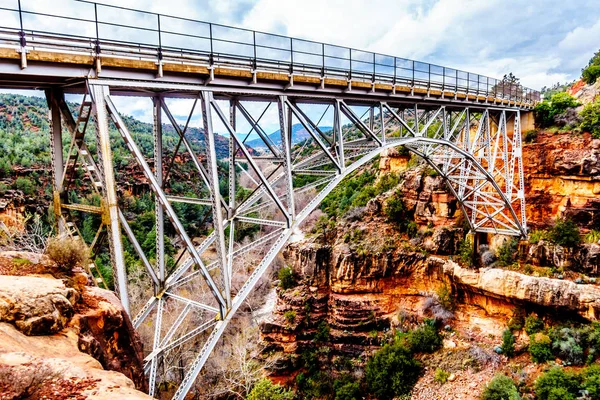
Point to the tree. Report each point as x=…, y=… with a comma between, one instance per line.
x=267, y=390
x=510, y=78
x=509, y=86
x=546, y=111
x=287, y=278
x=565, y=233
x=591, y=118
x=392, y=371
x=556, y=383
x=508, y=343
x=500, y=387
x=507, y=253
x=591, y=72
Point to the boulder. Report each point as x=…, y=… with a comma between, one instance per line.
x=36, y=305
x=51, y=367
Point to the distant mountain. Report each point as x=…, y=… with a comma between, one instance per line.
x=298, y=134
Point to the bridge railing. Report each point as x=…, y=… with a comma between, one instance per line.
x=103, y=29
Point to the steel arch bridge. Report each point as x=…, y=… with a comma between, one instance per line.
x=467, y=129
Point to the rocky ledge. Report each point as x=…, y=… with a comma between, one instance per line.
x=512, y=286
x=60, y=338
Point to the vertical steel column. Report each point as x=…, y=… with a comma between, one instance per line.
x=382, y=122
x=232, y=186
x=57, y=155
x=287, y=161
x=213, y=174
x=337, y=126
x=158, y=172
x=110, y=193
x=416, y=126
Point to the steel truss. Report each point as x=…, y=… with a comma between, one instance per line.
x=476, y=150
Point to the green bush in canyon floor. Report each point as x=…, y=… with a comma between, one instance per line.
x=267, y=390
x=508, y=343
x=391, y=372
x=557, y=384
x=501, y=387
x=540, y=348
x=424, y=339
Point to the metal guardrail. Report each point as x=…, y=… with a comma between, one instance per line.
x=106, y=30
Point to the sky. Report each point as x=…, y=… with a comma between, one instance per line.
x=540, y=41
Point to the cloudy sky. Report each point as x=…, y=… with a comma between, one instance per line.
x=541, y=41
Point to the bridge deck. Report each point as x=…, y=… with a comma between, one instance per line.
x=38, y=52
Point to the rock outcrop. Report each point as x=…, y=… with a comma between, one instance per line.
x=555, y=294
x=60, y=338
x=36, y=305
x=562, y=179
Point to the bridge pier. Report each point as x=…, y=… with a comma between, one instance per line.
x=527, y=121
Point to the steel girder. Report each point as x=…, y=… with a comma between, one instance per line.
x=476, y=151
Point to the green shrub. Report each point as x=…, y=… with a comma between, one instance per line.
x=322, y=334
x=387, y=182
x=536, y=235
x=592, y=71
x=445, y=298
x=592, y=236
x=530, y=136
x=533, y=324
x=395, y=210
x=465, y=252
x=290, y=316
x=540, y=348
x=568, y=343
x=287, y=278
x=500, y=387
x=554, y=383
x=424, y=339
x=347, y=391
x=267, y=390
x=545, y=111
x=517, y=320
x=507, y=253
x=591, y=118
x=542, y=113
x=508, y=343
x=316, y=386
x=441, y=376
x=25, y=185
x=591, y=381
x=412, y=229
x=561, y=101
x=561, y=393
x=392, y=371
x=354, y=191
x=565, y=233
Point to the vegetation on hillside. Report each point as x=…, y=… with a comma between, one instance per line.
x=591, y=72
x=561, y=111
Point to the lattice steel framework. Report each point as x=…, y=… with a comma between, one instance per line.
x=476, y=149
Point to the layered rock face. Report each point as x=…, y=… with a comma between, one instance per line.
x=562, y=179
x=60, y=338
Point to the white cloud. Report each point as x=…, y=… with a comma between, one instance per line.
x=579, y=45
